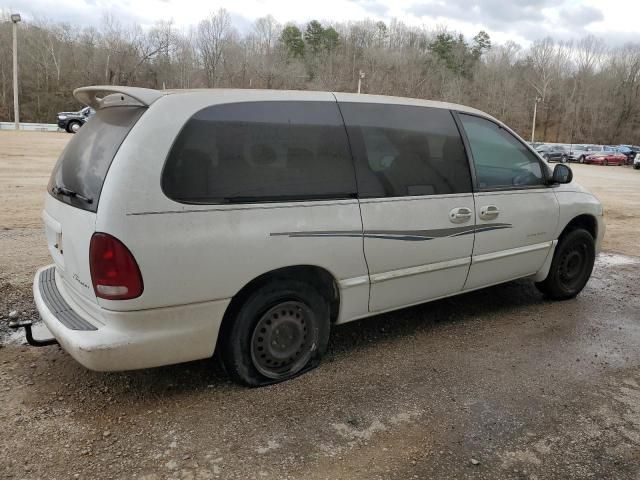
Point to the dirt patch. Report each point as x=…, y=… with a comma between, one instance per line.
x=525, y=387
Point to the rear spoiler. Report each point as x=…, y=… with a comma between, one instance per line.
x=103, y=96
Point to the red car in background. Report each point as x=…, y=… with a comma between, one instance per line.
x=606, y=158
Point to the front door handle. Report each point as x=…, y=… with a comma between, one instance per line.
x=460, y=215
x=489, y=212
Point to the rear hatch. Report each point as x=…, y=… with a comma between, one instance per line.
x=74, y=191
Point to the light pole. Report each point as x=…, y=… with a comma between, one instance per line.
x=15, y=18
x=360, y=77
x=535, y=111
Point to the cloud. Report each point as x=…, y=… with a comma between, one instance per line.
x=372, y=6
x=581, y=15
x=520, y=20
x=527, y=19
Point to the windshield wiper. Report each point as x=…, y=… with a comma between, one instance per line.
x=70, y=193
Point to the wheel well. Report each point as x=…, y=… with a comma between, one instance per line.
x=314, y=275
x=588, y=222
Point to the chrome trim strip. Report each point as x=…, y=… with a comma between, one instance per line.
x=411, y=271
x=486, y=257
x=353, y=282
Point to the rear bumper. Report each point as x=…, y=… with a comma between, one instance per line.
x=107, y=340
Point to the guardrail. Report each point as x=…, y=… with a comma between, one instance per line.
x=31, y=127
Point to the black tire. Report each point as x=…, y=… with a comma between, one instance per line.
x=73, y=126
x=280, y=331
x=581, y=159
x=606, y=163
x=636, y=166
x=571, y=266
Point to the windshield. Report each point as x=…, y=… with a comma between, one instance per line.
x=80, y=171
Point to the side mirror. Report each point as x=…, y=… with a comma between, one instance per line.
x=562, y=174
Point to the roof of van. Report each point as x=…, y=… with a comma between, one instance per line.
x=102, y=96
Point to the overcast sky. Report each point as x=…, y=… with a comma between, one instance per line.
x=617, y=21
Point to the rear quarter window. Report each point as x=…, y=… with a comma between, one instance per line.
x=260, y=152
x=85, y=161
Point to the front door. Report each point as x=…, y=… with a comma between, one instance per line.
x=516, y=212
x=415, y=198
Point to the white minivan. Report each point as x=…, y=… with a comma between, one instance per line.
x=247, y=221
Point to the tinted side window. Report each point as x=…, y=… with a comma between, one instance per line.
x=500, y=159
x=261, y=151
x=403, y=150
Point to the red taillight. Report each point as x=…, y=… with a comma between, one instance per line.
x=114, y=271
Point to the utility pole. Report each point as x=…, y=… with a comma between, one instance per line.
x=535, y=111
x=15, y=18
x=360, y=77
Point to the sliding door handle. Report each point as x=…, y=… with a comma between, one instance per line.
x=489, y=212
x=460, y=215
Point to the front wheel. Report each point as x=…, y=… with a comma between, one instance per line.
x=563, y=159
x=73, y=127
x=571, y=266
x=280, y=331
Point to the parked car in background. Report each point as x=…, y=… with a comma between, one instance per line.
x=636, y=162
x=553, y=153
x=600, y=148
x=72, y=121
x=629, y=151
x=577, y=153
x=606, y=158
x=154, y=209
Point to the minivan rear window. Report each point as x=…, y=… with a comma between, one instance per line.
x=261, y=152
x=79, y=174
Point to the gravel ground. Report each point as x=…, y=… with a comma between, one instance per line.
x=497, y=383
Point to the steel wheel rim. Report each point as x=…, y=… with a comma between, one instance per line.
x=283, y=340
x=573, y=264
x=75, y=127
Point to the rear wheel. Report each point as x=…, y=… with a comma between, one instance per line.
x=605, y=163
x=571, y=266
x=563, y=159
x=280, y=331
x=581, y=160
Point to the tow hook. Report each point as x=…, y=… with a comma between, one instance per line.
x=27, y=324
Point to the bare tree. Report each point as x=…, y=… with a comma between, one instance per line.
x=213, y=40
x=591, y=92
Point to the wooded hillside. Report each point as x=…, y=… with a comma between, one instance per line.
x=589, y=92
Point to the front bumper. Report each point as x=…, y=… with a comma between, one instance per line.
x=107, y=340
